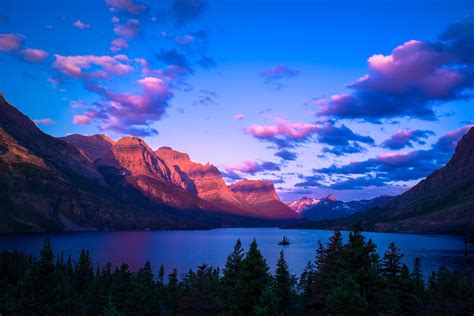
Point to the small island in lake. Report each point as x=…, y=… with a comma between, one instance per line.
x=284, y=242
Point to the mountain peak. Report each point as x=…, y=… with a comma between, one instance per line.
x=94, y=146
x=261, y=196
x=330, y=197
x=173, y=156
x=303, y=204
x=255, y=189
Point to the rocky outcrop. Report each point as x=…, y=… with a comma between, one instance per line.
x=204, y=181
x=47, y=184
x=261, y=197
x=93, y=146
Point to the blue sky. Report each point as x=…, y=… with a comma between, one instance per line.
x=237, y=82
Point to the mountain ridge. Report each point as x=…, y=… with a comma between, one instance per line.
x=48, y=184
x=443, y=202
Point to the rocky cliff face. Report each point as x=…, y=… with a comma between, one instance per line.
x=261, y=197
x=458, y=171
x=48, y=184
x=205, y=181
x=93, y=146
x=92, y=182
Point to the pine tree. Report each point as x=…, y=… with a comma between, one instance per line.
x=344, y=298
x=172, y=293
x=41, y=290
x=391, y=270
x=84, y=273
x=200, y=292
x=282, y=286
x=110, y=309
x=120, y=289
x=231, y=281
x=255, y=278
x=391, y=266
x=143, y=294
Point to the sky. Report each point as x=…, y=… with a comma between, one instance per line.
x=354, y=98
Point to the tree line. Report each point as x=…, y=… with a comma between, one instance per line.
x=344, y=279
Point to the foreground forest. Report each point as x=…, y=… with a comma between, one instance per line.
x=344, y=279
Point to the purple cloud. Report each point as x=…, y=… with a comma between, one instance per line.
x=411, y=80
x=407, y=138
x=129, y=30
x=10, y=43
x=129, y=113
x=252, y=167
x=386, y=169
x=274, y=75
x=284, y=134
x=81, y=25
x=34, y=55
x=45, y=121
x=128, y=6
x=286, y=155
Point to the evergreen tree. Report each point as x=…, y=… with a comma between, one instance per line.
x=254, y=279
x=84, y=272
x=344, y=298
x=120, y=290
x=283, y=286
x=143, y=294
x=391, y=266
x=110, y=309
x=172, y=294
x=41, y=290
x=200, y=292
x=232, y=285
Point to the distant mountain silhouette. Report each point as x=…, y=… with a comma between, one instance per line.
x=331, y=208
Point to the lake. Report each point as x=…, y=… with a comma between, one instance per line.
x=185, y=250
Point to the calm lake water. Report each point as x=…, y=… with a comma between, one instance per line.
x=185, y=250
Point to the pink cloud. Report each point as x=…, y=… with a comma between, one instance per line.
x=409, y=82
x=171, y=72
x=127, y=5
x=76, y=66
x=34, y=55
x=81, y=119
x=128, y=30
x=246, y=166
x=10, y=42
x=118, y=44
x=45, y=121
x=283, y=128
x=154, y=85
x=185, y=39
x=239, y=116
x=115, y=19
x=130, y=113
x=251, y=167
x=81, y=25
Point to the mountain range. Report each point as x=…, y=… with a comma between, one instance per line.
x=93, y=182
x=330, y=208
x=441, y=203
